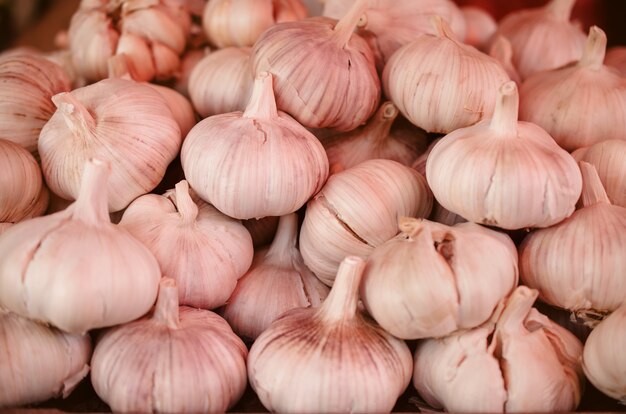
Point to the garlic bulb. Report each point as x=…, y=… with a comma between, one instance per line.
x=436, y=95
x=241, y=22
x=570, y=103
x=38, y=362
x=222, y=82
x=616, y=57
x=504, y=173
x=305, y=88
x=257, y=163
x=125, y=122
x=603, y=357
x=432, y=266
x=357, y=210
x=609, y=159
x=176, y=359
x=28, y=83
x=331, y=359
x=480, y=26
x=543, y=38
x=277, y=282
x=502, y=51
x=520, y=361
x=374, y=140
x=577, y=264
x=49, y=272
x=262, y=230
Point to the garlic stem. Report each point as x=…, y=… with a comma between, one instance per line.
x=595, y=49
x=507, y=108
x=166, y=308
x=345, y=27
x=78, y=118
x=442, y=28
x=516, y=309
x=118, y=67
x=92, y=205
x=187, y=209
x=262, y=104
x=593, y=190
x=381, y=124
x=410, y=226
x=561, y=9
x=341, y=303
x=280, y=251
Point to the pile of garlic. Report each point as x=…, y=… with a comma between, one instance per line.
x=299, y=196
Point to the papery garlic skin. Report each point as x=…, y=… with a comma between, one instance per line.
x=436, y=95
x=406, y=278
x=480, y=26
x=28, y=83
x=331, y=359
x=176, y=359
x=616, y=57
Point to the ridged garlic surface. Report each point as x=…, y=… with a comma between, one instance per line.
x=49, y=272
x=127, y=123
x=580, y=104
x=277, y=282
x=479, y=26
x=203, y=250
x=504, y=173
x=357, y=210
x=256, y=163
x=579, y=263
x=432, y=279
x=299, y=55
x=520, y=361
x=330, y=359
x=28, y=83
x=616, y=57
x=38, y=362
x=441, y=84
x=174, y=360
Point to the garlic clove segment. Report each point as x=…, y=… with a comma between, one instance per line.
x=257, y=163
x=277, y=282
x=330, y=359
x=205, y=251
x=175, y=359
x=48, y=271
x=504, y=173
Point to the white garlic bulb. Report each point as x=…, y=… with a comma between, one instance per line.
x=436, y=95
x=176, y=359
x=277, y=282
x=616, y=57
x=122, y=121
x=205, y=251
x=49, y=272
x=520, y=361
x=430, y=266
x=331, y=359
x=578, y=264
x=357, y=210
x=570, y=103
x=257, y=163
x=504, y=173
x=479, y=26
x=28, y=83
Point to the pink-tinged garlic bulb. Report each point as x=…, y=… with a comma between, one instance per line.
x=277, y=282
x=578, y=264
x=609, y=159
x=331, y=359
x=262, y=230
x=504, y=173
x=241, y=22
x=256, y=163
x=299, y=55
x=435, y=94
x=520, y=361
x=431, y=266
x=502, y=51
x=357, y=210
x=543, y=38
x=571, y=103
x=127, y=123
x=616, y=57
x=375, y=140
x=479, y=26
x=388, y=25
x=75, y=269
x=205, y=251
x=222, y=82
x=152, y=33
x=28, y=82
x=38, y=362
x=177, y=359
